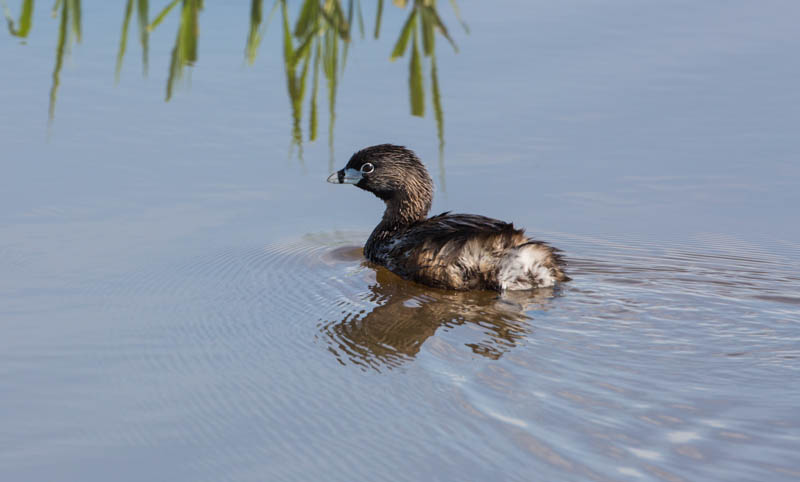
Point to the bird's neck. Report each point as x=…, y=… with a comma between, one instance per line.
x=401, y=212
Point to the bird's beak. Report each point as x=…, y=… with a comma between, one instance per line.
x=345, y=176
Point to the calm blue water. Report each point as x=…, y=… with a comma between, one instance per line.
x=182, y=297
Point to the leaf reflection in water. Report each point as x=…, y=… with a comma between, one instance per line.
x=404, y=315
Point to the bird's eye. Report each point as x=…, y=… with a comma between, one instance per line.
x=367, y=168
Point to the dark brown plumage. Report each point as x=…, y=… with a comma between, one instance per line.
x=451, y=251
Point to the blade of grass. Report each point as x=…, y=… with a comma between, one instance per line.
x=289, y=65
x=143, y=10
x=75, y=14
x=185, y=51
x=302, y=51
x=378, y=16
x=60, y=48
x=330, y=63
x=402, y=41
x=123, y=41
x=253, y=39
x=313, y=120
x=306, y=19
x=416, y=90
x=347, y=44
x=437, y=103
x=458, y=15
x=360, y=19
x=160, y=17
x=25, y=19
x=428, y=37
x=438, y=21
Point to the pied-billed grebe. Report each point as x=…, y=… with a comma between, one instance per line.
x=451, y=251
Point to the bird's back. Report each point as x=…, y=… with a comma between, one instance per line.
x=467, y=251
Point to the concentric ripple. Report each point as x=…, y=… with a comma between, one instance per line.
x=664, y=360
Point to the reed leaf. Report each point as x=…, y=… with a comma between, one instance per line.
x=253, y=37
x=303, y=50
x=402, y=41
x=185, y=51
x=457, y=11
x=143, y=11
x=290, y=64
x=336, y=19
x=347, y=44
x=438, y=21
x=416, y=90
x=378, y=17
x=313, y=119
x=330, y=60
x=288, y=48
x=60, y=48
x=75, y=15
x=25, y=19
x=437, y=103
x=160, y=17
x=428, y=37
x=123, y=41
x=360, y=19
x=308, y=14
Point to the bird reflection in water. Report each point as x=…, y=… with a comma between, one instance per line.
x=392, y=321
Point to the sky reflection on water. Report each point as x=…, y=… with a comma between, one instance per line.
x=174, y=298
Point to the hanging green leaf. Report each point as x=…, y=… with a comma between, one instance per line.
x=123, y=41
x=313, y=121
x=438, y=21
x=437, y=102
x=160, y=17
x=416, y=90
x=402, y=42
x=60, y=48
x=144, y=34
x=458, y=15
x=307, y=17
x=378, y=16
x=427, y=31
x=75, y=15
x=25, y=19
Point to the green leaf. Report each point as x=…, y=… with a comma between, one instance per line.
x=402, y=42
x=123, y=41
x=307, y=18
x=427, y=32
x=160, y=17
x=458, y=15
x=144, y=34
x=75, y=14
x=360, y=19
x=437, y=103
x=253, y=36
x=442, y=28
x=25, y=19
x=60, y=48
x=56, y=6
x=378, y=16
x=288, y=48
x=303, y=50
x=313, y=119
x=416, y=90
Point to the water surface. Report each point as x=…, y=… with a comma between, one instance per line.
x=183, y=298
